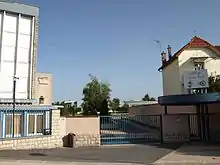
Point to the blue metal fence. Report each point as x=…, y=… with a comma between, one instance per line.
x=130, y=129
x=24, y=121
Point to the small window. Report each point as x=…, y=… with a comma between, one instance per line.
x=199, y=65
x=35, y=124
x=9, y=125
x=41, y=100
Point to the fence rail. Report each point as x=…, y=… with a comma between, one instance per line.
x=121, y=129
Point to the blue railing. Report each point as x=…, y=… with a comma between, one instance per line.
x=126, y=129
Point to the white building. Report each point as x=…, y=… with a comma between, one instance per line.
x=195, y=55
x=18, y=42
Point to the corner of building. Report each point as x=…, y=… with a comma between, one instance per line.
x=43, y=88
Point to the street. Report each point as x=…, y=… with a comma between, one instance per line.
x=136, y=154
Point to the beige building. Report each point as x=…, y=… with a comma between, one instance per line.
x=44, y=88
x=197, y=54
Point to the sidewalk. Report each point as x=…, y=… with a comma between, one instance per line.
x=32, y=162
x=193, y=154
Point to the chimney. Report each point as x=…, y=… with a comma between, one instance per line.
x=169, y=50
x=163, y=57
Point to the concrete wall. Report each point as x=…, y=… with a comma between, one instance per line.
x=49, y=141
x=212, y=61
x=175, y=128
x=86, y=129
x=44, y=87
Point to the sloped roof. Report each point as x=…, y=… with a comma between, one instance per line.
x=195, y=42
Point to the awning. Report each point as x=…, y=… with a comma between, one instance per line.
x=26, y=108
x=189, y=99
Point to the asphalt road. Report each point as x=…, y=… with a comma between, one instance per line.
x=144, y=154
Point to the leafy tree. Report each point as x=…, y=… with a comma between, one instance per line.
x=68, y=109
x=114, y=104
x=96, y=95
x=148, y=98
x=104, y=109
x=214, y=84
x=124, y=108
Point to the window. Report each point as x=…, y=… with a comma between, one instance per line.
x=35, y=124
x=9, y=125
x=41, y=100
x=26, y=123
x=199, y=65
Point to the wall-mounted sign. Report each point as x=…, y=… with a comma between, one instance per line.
x=196, y=79
x=43, y=80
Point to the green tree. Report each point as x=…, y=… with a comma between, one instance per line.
x=148, y=98
x=114, y=104
x=68, y=109
x=96, y=95
x=124, y=108
x=214, y=84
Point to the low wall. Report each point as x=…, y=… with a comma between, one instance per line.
x=45, y=141
x=86, y=130
x=175, y=128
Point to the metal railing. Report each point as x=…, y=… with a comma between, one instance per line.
x=123, y=129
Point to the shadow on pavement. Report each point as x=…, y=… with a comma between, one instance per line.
x=144, y=154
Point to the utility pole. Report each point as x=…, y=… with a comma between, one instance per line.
x=14, y=103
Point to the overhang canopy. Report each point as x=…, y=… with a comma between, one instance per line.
x=189, y=99
x=26, y=108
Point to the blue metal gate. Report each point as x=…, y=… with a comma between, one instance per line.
x=130, y=129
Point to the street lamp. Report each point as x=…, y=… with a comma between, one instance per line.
x=14, y=102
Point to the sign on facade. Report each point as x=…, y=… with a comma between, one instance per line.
x=196, y=79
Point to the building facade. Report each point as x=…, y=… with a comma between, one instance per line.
x=195, y=55
x=23, y=121
x=18, y=48
x=43, y=88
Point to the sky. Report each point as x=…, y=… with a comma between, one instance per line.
x=114, y=41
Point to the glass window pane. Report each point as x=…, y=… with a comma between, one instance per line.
x=31, y=122
x=18, y=124
x=40, y=123
x=8, y=124
x=41, y=100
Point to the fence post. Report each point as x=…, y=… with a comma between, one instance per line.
x=189, y=128
x=161, y=128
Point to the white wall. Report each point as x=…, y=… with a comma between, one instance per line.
x=172, y=74
x=16, y=37
x=211, y=62
x=171, y=81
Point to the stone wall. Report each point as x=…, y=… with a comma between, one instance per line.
x=34, y=58
x=87, y=140
x=49, y=141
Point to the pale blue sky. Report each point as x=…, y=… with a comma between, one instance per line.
x=113, y=40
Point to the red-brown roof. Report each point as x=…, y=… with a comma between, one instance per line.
x=195, y=42
x=217, y=47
